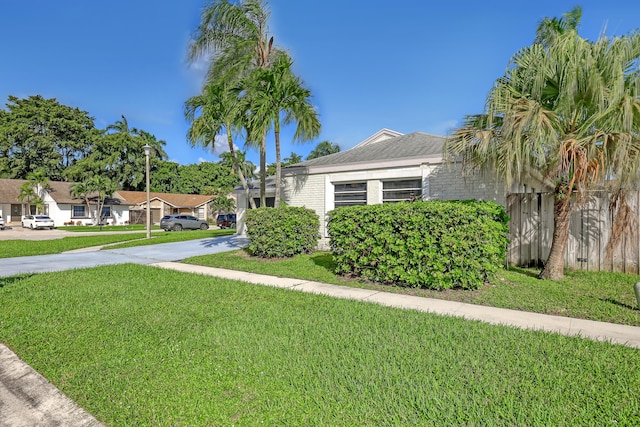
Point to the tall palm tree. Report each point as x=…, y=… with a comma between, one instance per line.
x=566, y=112
x=276, y=97
x=212, y=112
x=235, y=36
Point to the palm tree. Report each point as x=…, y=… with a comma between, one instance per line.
x=30, y=190
x=276, y=91
x=104, y=188
x=567, y=113
x=236, y=35
x=217, y=109
x=323, y=149
x=81, y=191
x=292, y=159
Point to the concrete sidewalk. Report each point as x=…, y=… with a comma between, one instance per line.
x=27, y=398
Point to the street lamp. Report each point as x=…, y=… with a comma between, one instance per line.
x=147, y=152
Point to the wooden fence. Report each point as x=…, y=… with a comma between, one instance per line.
x=531, y=232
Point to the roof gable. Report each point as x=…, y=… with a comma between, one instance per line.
x=381, y=135
x=175, y=200
x=415, y=148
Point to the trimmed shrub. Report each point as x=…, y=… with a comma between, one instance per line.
x=282, y=232
x=425, y=244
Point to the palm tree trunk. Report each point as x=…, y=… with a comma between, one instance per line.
x=276, y=131
x=263, y=170
x=238, y=169
x=554, y=267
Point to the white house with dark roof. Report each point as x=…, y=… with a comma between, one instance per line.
x=387, y=167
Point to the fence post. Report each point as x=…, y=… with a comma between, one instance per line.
x=636, y=288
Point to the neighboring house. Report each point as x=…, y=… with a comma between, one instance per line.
x=386, y=167
x=11, y=207
x=66, y=209
x=58, y=203
x=162, y=204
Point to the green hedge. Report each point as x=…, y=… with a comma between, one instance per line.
x=426, y=244
x=282, y=232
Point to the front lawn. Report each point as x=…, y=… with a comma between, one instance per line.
x=15, y=248
x=153, y=347
x=106, y=228
x=602, y=296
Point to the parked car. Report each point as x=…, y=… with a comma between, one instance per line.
x=226, y=221
x=1, y=223
x=182, y=222
x=37, y=221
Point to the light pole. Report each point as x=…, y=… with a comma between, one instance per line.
x=147, y=152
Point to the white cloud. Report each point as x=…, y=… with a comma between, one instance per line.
x=220, y=145
x=202, y=160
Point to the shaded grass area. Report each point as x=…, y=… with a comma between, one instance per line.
x=154, y=347
x=601, y=296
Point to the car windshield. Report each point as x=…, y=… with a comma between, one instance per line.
x=42, y=217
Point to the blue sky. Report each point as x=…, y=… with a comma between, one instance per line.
x=406, y=65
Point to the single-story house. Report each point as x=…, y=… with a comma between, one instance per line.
x=386, y=167
x=162, y=204
x=123, y=207
x=58, y=203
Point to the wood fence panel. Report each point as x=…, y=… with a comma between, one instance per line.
x=531, y=233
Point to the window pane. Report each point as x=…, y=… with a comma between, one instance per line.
x=408, y=183
x=78, y=211
x=350, y=194
x=398, y=191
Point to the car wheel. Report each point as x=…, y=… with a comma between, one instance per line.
x=177, y=227
x=204, y=226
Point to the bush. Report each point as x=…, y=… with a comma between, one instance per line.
x=426, y=244
x=282, y=232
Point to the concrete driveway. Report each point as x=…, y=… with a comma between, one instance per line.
x=138, y=255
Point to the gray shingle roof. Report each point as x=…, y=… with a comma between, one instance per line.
x=413, y=145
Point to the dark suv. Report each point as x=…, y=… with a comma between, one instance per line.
x=182, y=222
x=226, y=221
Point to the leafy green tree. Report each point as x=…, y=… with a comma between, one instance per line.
x=211, y=113
x=324, y=148
x=567, y=113
x=118, y=154
x=163, y=175
x=236, y=35
x=276, y=97
x=38, y=133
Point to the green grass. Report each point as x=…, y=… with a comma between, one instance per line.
x=16, y=248
x=94, y=228
x=175, y=236
x=152, y=347
x=602, y=296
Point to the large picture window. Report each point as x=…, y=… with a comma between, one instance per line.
x=351, y=194
x=401, y=191
x=79, y=211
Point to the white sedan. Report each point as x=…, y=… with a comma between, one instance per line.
x=37, y=221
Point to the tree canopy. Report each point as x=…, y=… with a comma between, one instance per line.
x=42, y=134
x=567, y=113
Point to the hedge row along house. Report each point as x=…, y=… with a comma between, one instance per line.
x=389, y=167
